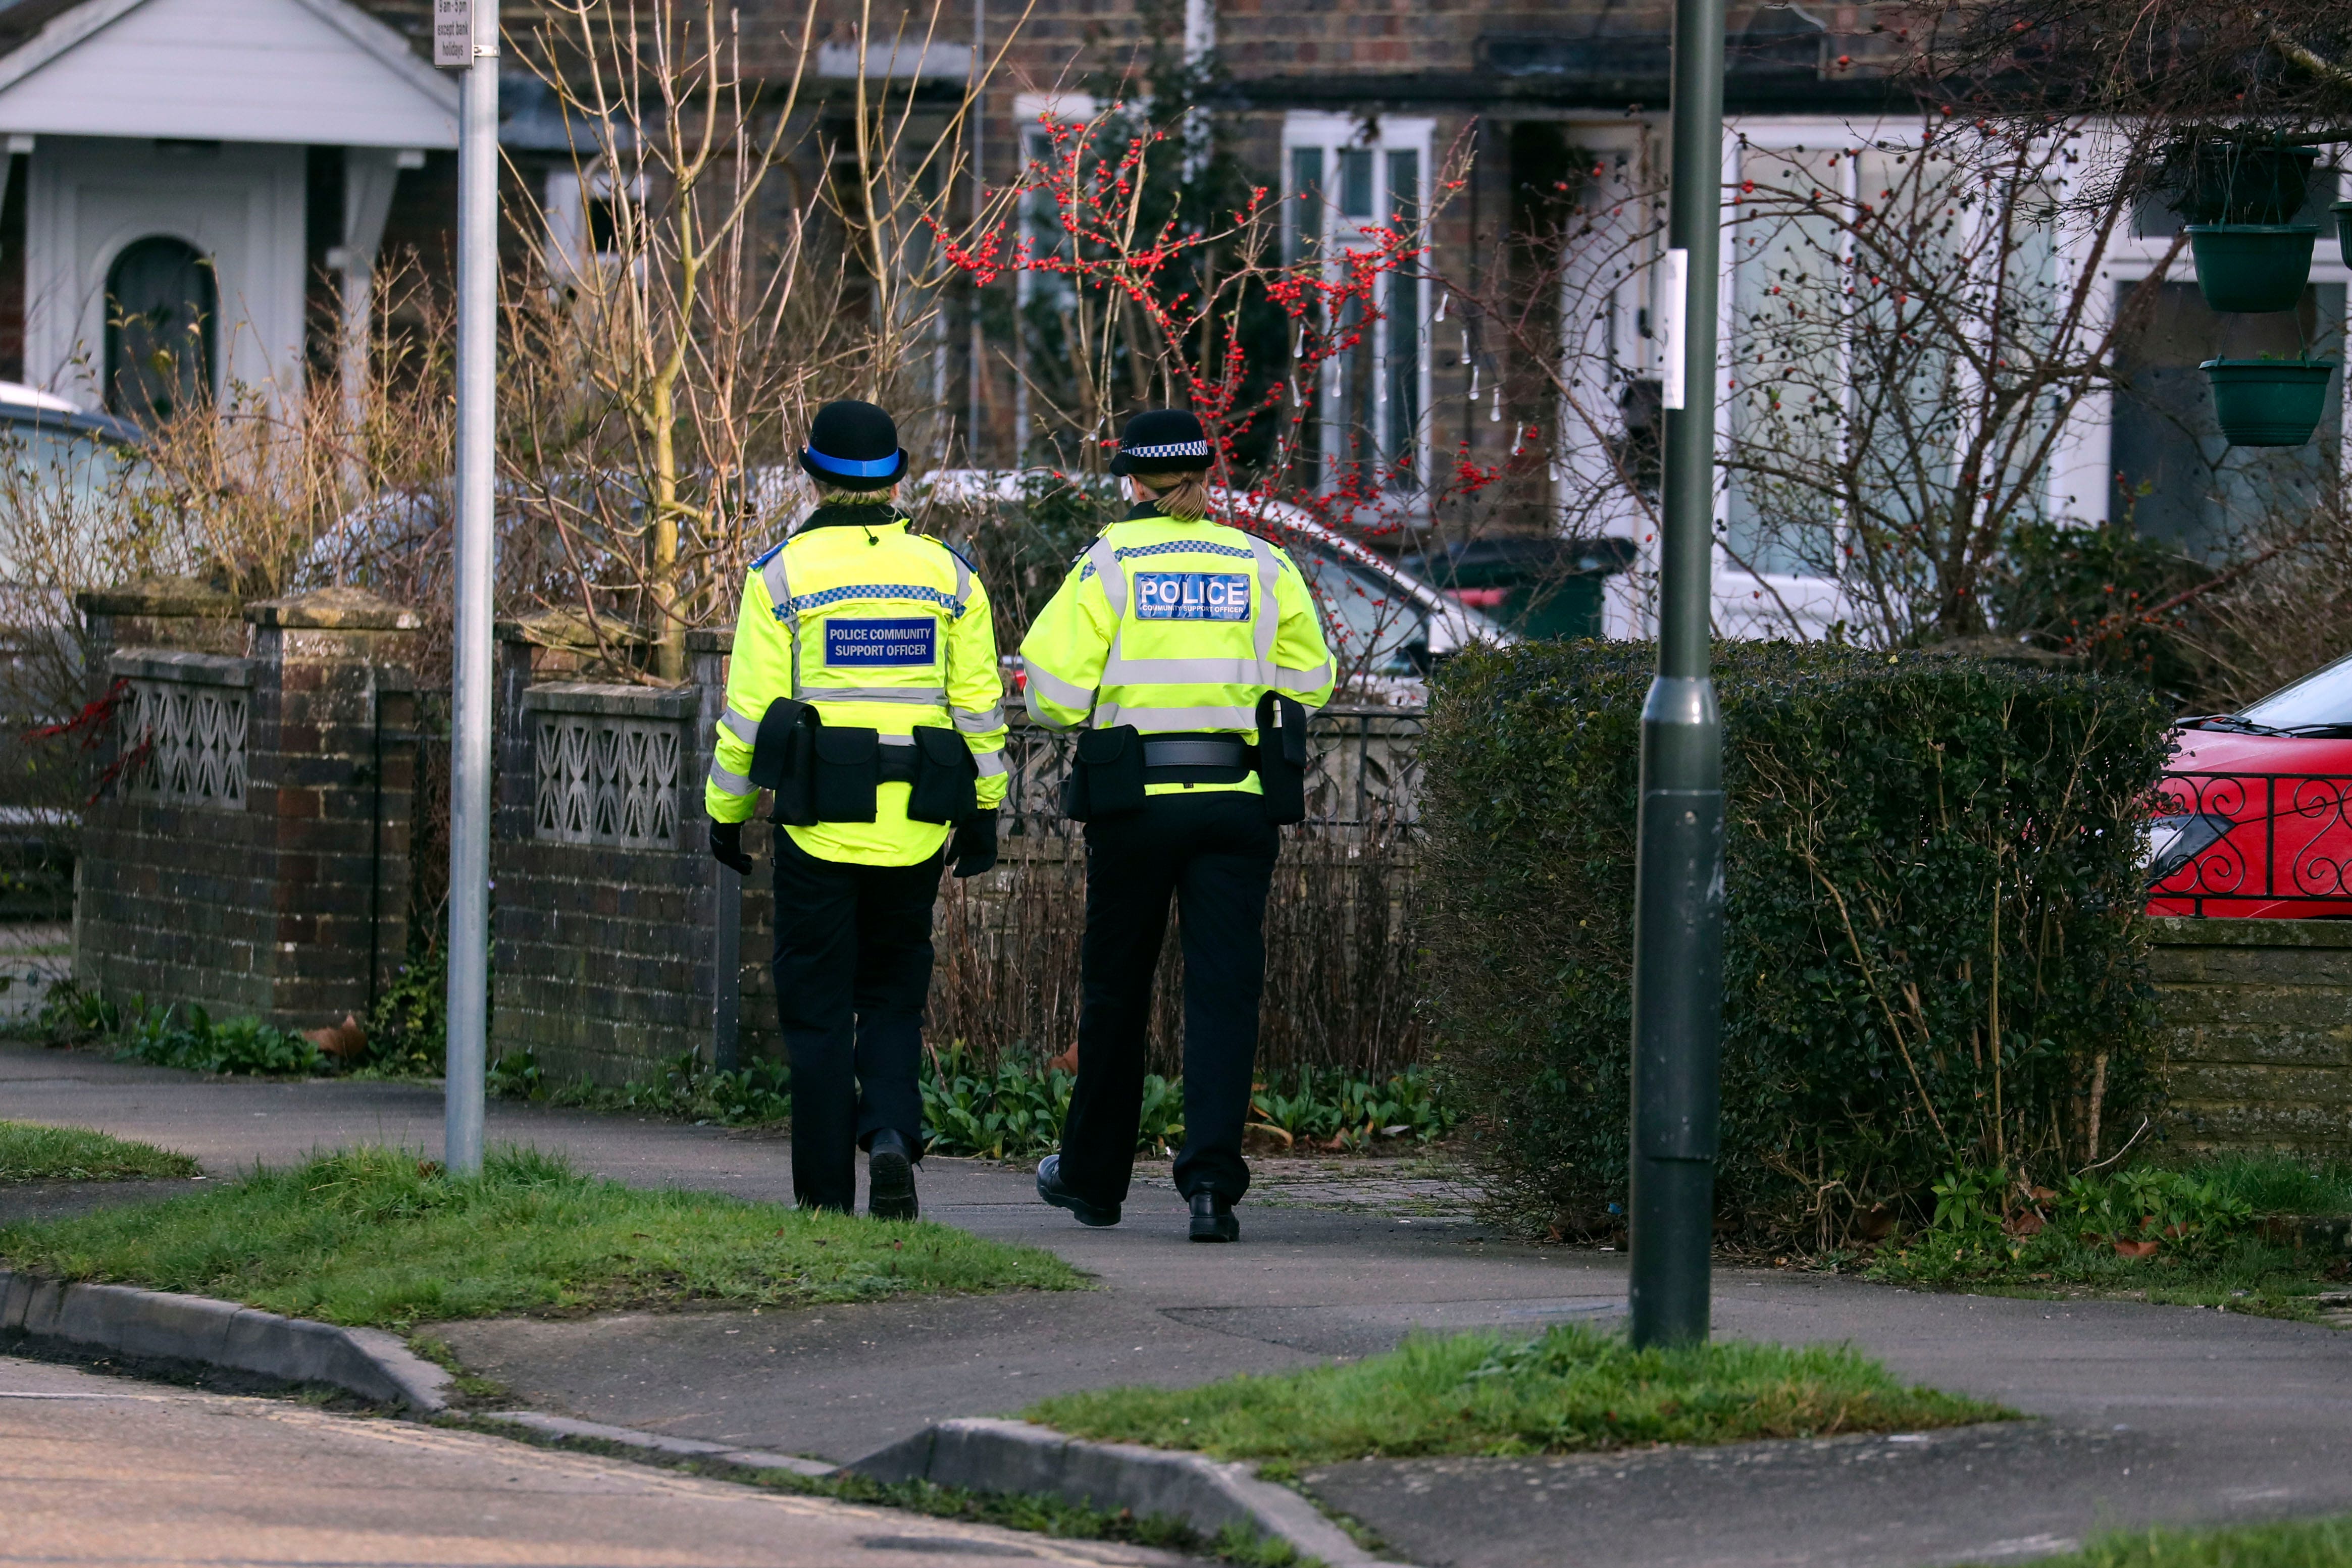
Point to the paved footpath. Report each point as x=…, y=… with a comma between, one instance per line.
x=101, y=1470
x=2150, y=1414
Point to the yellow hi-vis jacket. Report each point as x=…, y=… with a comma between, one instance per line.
x=881, y=630
x=1175, y=627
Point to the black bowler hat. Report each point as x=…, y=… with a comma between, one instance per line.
x=855, y=445
x=1164, y=441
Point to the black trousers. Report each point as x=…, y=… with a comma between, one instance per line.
x=1214, y=853
x=853, y=968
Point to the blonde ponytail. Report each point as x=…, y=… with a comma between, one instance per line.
x=1183, y=496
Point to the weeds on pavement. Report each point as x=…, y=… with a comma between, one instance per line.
x=382, y=1237
x=1570, y=1390
x=2312, y=1543
x=30, y=1152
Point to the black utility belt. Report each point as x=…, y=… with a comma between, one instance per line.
x=1114, y=768
x=830, y=773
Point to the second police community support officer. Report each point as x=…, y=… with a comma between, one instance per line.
x=1190, y=651
x=864, y=691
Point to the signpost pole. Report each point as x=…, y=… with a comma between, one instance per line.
x=1678, y=877
x=469, y=740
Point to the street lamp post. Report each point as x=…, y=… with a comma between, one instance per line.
x=470, y=737
x=1678, y=878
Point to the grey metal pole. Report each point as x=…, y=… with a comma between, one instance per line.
x=1678, y=877
x=469, y=738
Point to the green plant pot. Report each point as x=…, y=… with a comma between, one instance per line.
x=2343, y=211
x=2253, y=267
x=2222, y=183
x=2269, y=402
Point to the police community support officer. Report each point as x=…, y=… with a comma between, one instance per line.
x=865, y=692
x=1190, y=651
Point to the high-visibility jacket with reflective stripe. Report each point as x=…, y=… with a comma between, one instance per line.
x=882, y=629
x=1174, y=626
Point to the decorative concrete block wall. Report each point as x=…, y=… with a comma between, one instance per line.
x=2257, y=1042
x=248, y=849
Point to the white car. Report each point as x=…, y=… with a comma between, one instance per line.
x=1387, y=627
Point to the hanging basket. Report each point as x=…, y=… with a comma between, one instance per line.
x=2224, y=183
x=2343, y=211
x=2269, y=402
x=2253, y=267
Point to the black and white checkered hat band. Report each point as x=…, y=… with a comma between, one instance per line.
x=1167, y=449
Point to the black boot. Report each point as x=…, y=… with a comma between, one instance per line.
x=1050, y=1189
x=890, y=1177
x=1213, y=1218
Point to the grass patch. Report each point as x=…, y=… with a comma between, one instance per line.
x=2191, y=1236
x=2314, y=1544
x=31, y=1153
x=378, y=1236
x=1572, y=1390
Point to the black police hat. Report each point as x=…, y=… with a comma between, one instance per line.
x=1164, y=441
x=855, y=445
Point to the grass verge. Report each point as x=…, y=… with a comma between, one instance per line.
x=2202, y=1234
x=1572, y=1390
x=33, y=1152
x=378, y=1236
x=2312, y=1543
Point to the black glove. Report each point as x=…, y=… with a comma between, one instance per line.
x=727, y=847
x=974, y=847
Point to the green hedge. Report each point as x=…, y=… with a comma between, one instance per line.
x=1925, y=854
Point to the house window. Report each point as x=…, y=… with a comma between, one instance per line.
x=161, y=305
x=589, y=219
x=1348, y=180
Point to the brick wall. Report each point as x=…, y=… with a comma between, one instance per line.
x=2257, y=1042
x=248, y=849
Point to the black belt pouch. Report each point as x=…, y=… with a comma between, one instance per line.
x=1282, y=757
x=784, y=759
x=848, y=766
x=947, y=787
x=1107, y=776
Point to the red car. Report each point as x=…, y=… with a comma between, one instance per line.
x=2255, y=818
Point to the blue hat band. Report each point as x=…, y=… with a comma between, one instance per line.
x=850, y=467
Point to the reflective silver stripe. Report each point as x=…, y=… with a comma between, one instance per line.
x=978, y=723
x=743, y=729
x=1269, y=609
x=896, y=739
x=1112, y=576
x=929, y=696
x=780, y=595
x=1036, y=713
x=727, y=781
x=1124, y=672
x=989, y=763
x=1302, y=680
x=963, y=584
x=1052, y=686
x=1149, y=719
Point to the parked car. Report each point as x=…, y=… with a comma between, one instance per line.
x=2255, y=821
x=1387, y=626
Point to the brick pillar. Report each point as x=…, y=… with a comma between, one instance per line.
x=333, y=776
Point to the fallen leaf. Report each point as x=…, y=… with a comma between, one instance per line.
x=2026, y=1224
x=2135, y=1248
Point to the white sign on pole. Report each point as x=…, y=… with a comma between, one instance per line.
x=453, y=33
x=1673, y=308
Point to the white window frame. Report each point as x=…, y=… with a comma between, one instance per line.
x=565, y=208
x=1331, y=134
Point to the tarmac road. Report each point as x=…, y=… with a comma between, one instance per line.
x=104, y=1470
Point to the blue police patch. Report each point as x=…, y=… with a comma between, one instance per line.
x=1191, y=596
x=881, y=645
